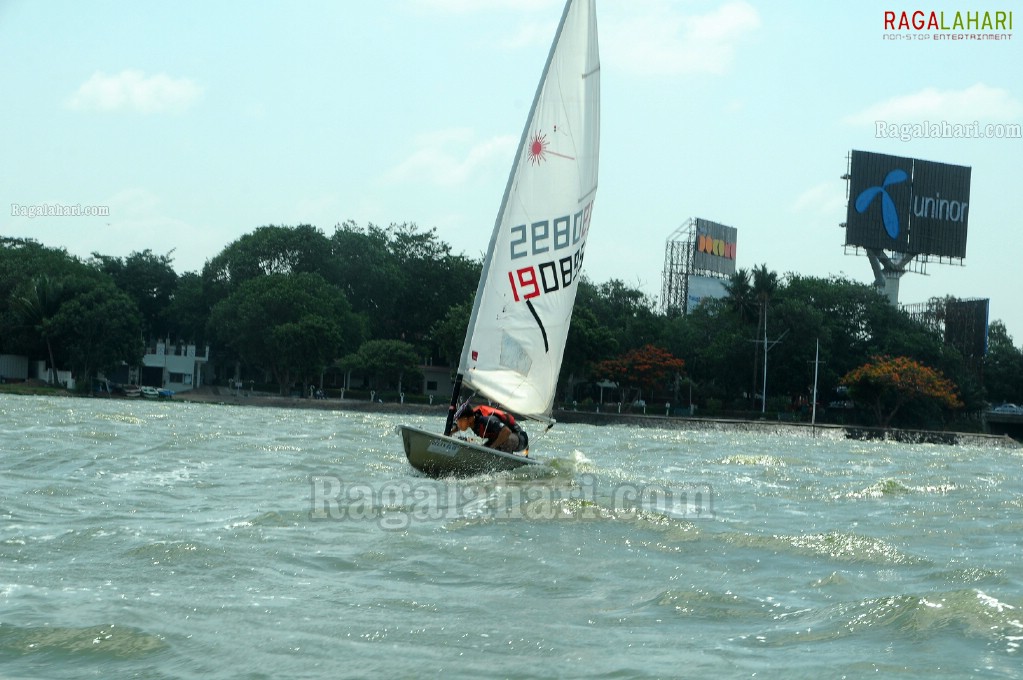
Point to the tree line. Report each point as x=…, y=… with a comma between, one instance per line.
x=370, y=305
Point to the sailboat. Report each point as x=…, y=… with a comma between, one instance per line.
x=515, y=340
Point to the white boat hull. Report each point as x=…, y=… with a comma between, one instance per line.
x=439, y=456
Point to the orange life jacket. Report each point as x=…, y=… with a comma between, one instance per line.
x=506, y=418
x=483, y=413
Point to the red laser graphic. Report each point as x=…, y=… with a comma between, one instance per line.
x=539, y=149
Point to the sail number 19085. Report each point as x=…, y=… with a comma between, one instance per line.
x=548, y=236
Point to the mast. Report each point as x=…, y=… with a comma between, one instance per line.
x=454, y=403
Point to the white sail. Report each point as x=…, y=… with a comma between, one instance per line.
x=516, y=337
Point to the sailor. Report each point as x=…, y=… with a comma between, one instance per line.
x=497, y=428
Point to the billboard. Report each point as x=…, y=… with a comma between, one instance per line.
x=966, y=326
x=715, y=248
x=907, y=205
x=704, y=288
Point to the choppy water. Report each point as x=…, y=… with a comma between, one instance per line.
x=172, y=540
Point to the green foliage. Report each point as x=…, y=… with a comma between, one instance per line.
x=21, y=262
x=590, y=341
x=714, y=343
x=35, y=308
x=267, y=251
x=403, y=280
x=388, y=363
x=626, y=313
x=293, y=325
x=291, y=300
x=149, y=280
x=55, y=306
x=741, y=298
x=448, y=334
x=100, y=328
x=369, y=274
x=432, y=281
x=188, y=310
x=1003, y=367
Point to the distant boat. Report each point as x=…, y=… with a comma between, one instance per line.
x=149, y=392
x=516, y=335
x=126, y=391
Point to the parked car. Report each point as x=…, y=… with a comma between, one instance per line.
x=1010, y=409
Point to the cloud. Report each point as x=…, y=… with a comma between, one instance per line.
x=464, y=6
x=977, y=102
x=132, y=90
x=651, y=38
x=137, y=220
x=452, y=157
x=134, y=203
x=824, y=199
x=644, y=37
x=525, y=22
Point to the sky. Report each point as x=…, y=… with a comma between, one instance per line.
x=193, y=123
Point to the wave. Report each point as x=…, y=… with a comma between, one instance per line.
x=70, y=643
x=958, y=615
x=888, y=488
x=834, y=545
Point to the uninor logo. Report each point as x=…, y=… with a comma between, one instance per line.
x=888, y=213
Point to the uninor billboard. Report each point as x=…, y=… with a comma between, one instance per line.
x=907, y=205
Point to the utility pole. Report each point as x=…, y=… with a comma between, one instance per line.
x=816, y=368
x=768, y=344
x=767, y=347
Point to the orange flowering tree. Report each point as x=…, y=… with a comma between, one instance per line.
x=650, y=367
x=887, y=383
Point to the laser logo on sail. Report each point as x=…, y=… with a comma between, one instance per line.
x=537, y=148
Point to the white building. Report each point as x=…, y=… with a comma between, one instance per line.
x=174, y=367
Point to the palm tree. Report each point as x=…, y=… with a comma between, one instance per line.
x=740, y=294
x=36, y=310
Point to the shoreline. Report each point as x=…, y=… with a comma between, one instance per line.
x=830, y=431
x=858, y=432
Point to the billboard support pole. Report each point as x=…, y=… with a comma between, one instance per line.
x=888, y=272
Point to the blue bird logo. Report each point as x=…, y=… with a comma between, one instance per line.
x=888, y=214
